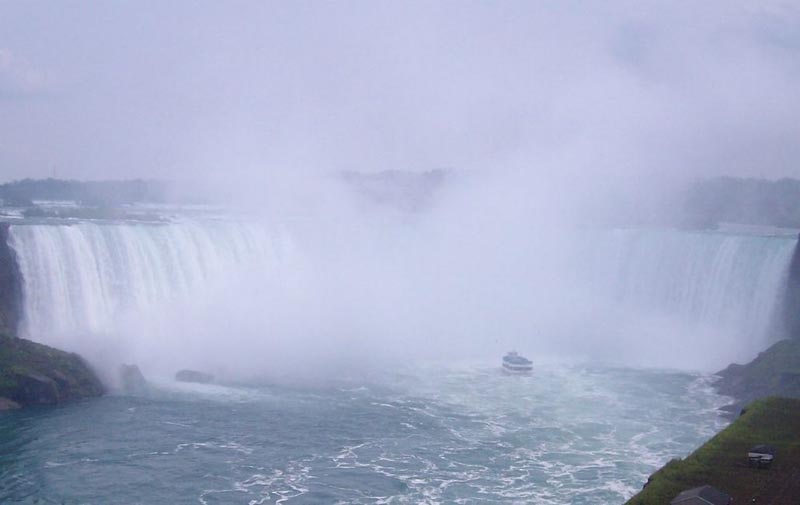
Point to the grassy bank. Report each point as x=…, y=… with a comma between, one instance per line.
x=775, y=372
x=722, y=461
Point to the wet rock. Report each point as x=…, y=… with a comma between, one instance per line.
x=772, y=373
x=132, y=379
x=194, y=376
x=35, y=374
x=6, y=404
x=10, y=285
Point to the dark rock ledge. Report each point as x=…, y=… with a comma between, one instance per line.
x=35, y=374
x=194, y=376
x=775, y=372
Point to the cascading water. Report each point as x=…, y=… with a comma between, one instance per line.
x=717, y=292
x=84, y=277
x=731, y=283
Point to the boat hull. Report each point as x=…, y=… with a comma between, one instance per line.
x=517, y=369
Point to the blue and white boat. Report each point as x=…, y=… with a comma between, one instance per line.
x=514, y=363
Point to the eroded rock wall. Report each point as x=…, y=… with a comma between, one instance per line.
x=10, y=286
x=791, y=302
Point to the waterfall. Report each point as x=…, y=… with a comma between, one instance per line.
x=625, y=291
x=733, y=283
x=83, y=277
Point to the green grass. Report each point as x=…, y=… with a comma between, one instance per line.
x=722, y=461
x=774, y=372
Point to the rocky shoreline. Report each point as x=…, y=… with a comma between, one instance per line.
x=36, y=374
x=774, y=372
x=766, y=409
x=722, y=462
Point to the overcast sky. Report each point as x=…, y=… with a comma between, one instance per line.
x=96, y=90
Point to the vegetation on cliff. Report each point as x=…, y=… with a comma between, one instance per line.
x=775, y=372
x=772, y=382
x=722, y=461
x=35, y=374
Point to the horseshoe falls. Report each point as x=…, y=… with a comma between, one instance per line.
x=91, y=278
x=85, y=277
x=726, y=288
x=445, y=430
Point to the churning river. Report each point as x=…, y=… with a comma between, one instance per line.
x=421, y=434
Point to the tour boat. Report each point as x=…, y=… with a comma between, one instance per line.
x=514, y=363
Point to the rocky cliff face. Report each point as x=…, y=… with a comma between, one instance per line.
x=775, y=372
x=31, y=373
x=10, y=286
x=791, y=302
x=35, y=374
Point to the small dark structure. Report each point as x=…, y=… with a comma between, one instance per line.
x=703, y=495
x=761, y=456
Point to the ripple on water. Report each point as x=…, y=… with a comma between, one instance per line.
x=428, y=435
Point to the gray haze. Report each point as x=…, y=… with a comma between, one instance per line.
x=216, y=91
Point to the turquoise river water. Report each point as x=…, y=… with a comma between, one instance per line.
x=424, y=434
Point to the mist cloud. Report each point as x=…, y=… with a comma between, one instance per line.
x=18, y=79
x=548, y=112
x=202, y=90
